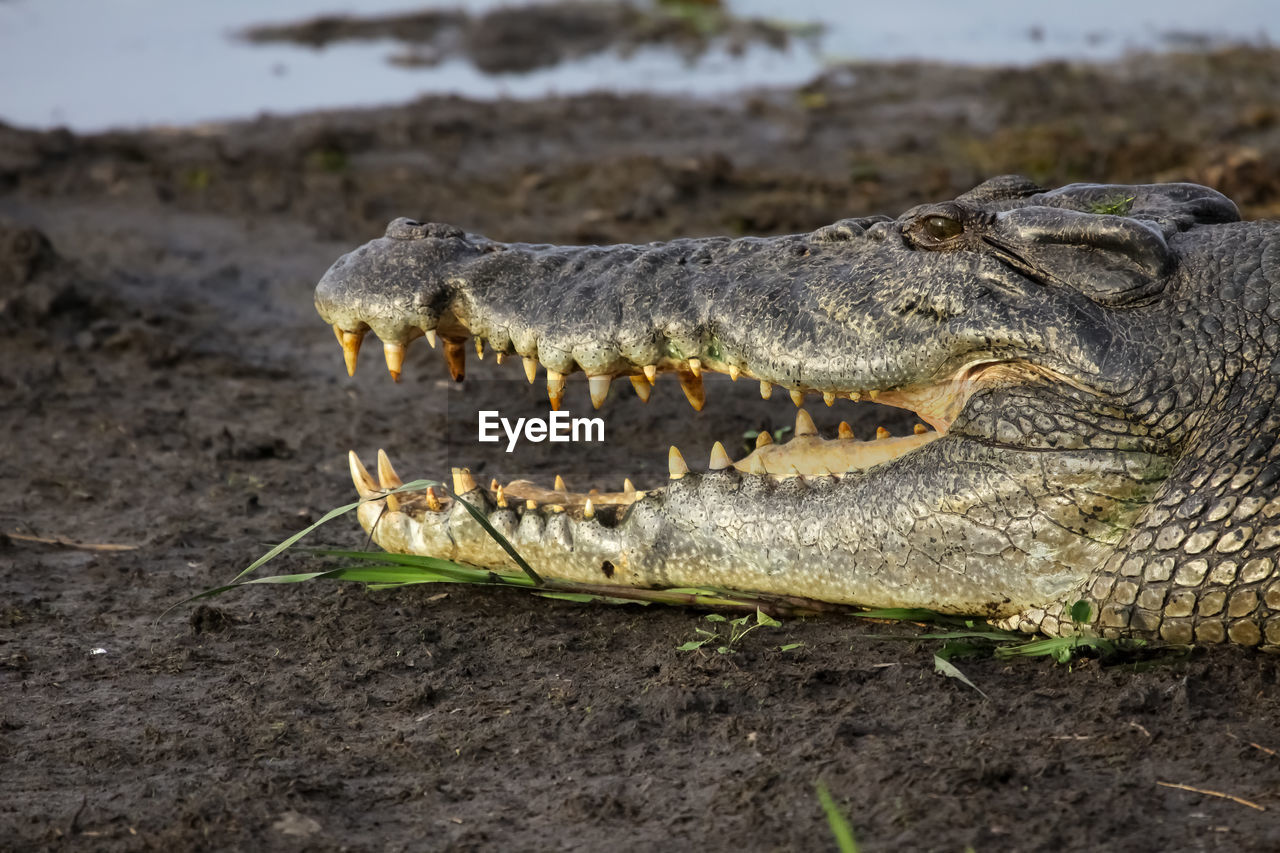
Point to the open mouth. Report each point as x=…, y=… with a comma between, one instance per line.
x=805, y=454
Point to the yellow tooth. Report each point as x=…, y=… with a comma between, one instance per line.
x=639, y=496
x=589, y=510
x=642, y=387
x=559, y=484
x=881, y=432
x=804, y=424
x=393, y=503
x=829, y=397
x=555, y=389
x=693, y=391
x=530, y=504
x=874, y=395
x=433, y=502
x=394, y=354
x=734, y=373
x=463, y=482
x=479, y=349
x=846, y=431
x=599, y=388
x=456, y=356
x=920, y=429
x=797, y=397
x=387, y=476
x=351, y=350
x=530, y=369
x=719, y=458
x=855, y=396
x=493, y=484
x=366, y=486
x=499, y=357
x=675, y=464
x=755, y=465
x=500, y=497
x=431, y=337
x=695, y=366
x=763, y=438
x=337, y=332
x=627, y=486
x=766, y=390
x=651, y=373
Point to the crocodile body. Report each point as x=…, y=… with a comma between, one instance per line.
x=1098, y=363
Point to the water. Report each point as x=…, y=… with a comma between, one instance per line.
x=97, y=64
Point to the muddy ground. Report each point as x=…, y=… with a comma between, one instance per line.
x=166, y=385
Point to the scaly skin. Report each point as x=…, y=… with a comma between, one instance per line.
x=1099, y=363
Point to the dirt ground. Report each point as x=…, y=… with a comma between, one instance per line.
x=165, y=384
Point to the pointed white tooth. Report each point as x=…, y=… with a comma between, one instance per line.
x=675, y=464
x=651, y=373
x=351, y=349
x=559, y=485
x=804, y=424
x=431, y=337
x=599, y=388
x=797, y=397
x=387, y=476
x=589, y=510
x=555, y=389
x=829, y=397
x=719, y=458
x=846, y=431
x=764, y=438
x=695, y=366
x=394, y=354
x=366, y=486
x=754, y=465
x=500, y=497
x=530, y=369
x=734, y=373
x=642, y=386
x=766, y=390
x=499, y=357
x=627, y=486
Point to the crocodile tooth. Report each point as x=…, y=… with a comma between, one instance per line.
x=499, y=357
x=394, y=354
x=559, y=484
x=493, y=484
x=874, y=395
x=555, y=389
x=479, y=348
x=920, y=429
x=804, y=424
x=433, y=502
x=642, y=387
x=764, y=438
x=695, y=366
x=651, y=373
x=599, y=388
x=365, y=484
x=463, y=482
x=500, y=497
x=719, y=458
x=530, y=368
x=589, y=511
x=754, y=465
x=351, y=349
x=337, y=332
x=766, y=390
x=846, y=431
x=693, y=391
x=531, y=504
x=734, y=373
x=829, y=397
x=456, y=356
x=628, y=487
x=431, y=337
x=387, y=477
x=881, y=432
x=675, y=463
x=855, y=396
x=797, y=397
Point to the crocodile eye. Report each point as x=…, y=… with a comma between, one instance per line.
x=942, y=227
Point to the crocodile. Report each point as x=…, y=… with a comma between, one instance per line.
x=1097, y=364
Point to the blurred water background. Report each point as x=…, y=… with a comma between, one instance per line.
x=97, y=64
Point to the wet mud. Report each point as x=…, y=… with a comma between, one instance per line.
x=167, y=386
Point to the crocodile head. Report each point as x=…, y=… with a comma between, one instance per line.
x=1097, y=363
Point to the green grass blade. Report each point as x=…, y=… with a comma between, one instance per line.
x=840, y=827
